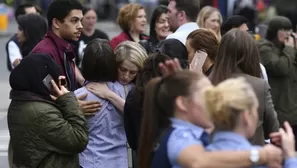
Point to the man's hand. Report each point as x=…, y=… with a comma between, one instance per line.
x=88, y=107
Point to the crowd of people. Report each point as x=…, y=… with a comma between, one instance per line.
x=198, y=91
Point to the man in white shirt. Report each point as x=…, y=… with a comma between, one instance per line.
x=182, y=16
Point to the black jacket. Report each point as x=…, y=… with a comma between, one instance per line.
x=133, y=116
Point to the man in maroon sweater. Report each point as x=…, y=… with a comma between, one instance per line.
x=64, y=22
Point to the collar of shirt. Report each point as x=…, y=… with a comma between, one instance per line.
x=231, y=137
x=183, y=31
x=188, y=26
x=181, y=124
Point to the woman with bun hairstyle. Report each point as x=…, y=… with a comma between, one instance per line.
x=232, y=106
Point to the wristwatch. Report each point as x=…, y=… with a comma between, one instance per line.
x=255, y=156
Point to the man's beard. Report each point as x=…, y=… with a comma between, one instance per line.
x=173, y=28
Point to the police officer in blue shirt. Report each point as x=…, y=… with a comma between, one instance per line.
x=173, y=127
x=235, y=116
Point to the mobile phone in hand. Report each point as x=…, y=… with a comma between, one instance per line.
x=198, y=60
x=47, y=82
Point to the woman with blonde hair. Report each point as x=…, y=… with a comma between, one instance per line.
x=210, y=18
x=133, y=22
x=130, y=57
x=232, y=107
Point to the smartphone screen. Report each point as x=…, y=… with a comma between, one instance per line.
x=47, y=82
x=198, y=60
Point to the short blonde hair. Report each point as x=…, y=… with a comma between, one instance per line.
x=225, y=102
x=127, y=14
x=205, y=14
x=131, y=51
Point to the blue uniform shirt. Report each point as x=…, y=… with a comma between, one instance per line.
x=184, y=135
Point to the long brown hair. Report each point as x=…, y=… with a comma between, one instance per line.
x=238, y=50
x=159, y=102
x=204, y=39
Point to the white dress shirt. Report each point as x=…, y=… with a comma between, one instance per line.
x=183, y=31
